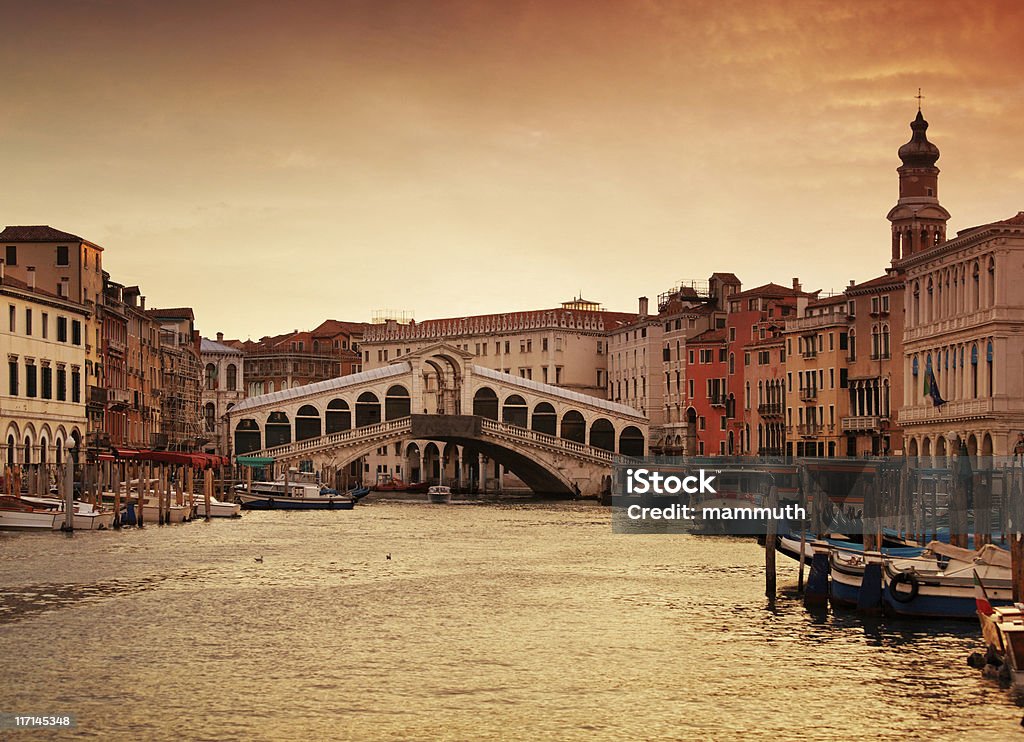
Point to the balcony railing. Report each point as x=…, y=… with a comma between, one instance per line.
x=118, y=396
x=881, y=356
x=964, y=408
x=810, y=354
x=810, y=430
x=770, y=410
x=97, y=395
x=808, y=393
x=860, y=423
x=718, y=400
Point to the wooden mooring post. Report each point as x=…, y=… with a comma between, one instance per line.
x=207, y=491
x=769, y=546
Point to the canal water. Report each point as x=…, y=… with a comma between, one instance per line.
x=490, y=621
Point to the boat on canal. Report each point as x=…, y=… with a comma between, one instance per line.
x=87, y=517
x=297, y=491
x=940, y=583
x=439, y=494
x=18, y=515
x=1003, y=630
x=218, y=508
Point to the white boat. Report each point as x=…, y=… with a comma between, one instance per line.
x=439, y=494
x=87, y=516
x=218, y=508
x=18, y=515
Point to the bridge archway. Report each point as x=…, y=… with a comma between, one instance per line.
x=602, y=434
x=631, y=441
x=442, y=376
x=338, y=416
x=248, y=437
x=367, y=410
x=574, y=427
x=397, y=402
x=279, y=429
x=307, y=423
x=514, y=411
x=485, y=403
x=544, y=419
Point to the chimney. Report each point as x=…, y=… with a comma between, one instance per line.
x=852, y=283
x=142, y=301
x=31, y=277
x=2, y=266
x=220, y=337
x=643, y=307
x=796, y=285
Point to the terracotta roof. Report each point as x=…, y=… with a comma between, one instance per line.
x=331, y=327
x=726, y=277
x=885, y=280
x=828, y=301
x=37, y=233
x=15, y=283
x=708, y=336
x=769, y=289
x=175, y=313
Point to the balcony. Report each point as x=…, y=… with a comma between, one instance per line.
x=770, y=410
x=808, y=394
x=810, y=430
x=862, y=423
x=119, y=397
x=97, y=396
x=717, y=400
x=958, y=410
x=880, y=356
x=810, y=354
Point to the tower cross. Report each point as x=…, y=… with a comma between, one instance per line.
x=919, y=99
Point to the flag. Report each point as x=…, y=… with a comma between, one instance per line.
x=931, y=387
x=980, y=597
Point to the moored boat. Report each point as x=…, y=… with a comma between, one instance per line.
x=218, y=508
x=439, y=494
x=940, y=583
x=18, y=515
x=87, y=517
x=1003, y=630
x=299, y=491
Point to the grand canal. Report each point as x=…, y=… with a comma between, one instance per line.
x=489, y=621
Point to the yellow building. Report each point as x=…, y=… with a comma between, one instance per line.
x=817, y=397
x=69, y=267
x=42, y=391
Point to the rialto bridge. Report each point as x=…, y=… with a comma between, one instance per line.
x=436, y=404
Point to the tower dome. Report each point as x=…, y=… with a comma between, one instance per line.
x=919, y=152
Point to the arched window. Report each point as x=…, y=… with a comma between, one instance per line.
x=279, y=429
x=631, y=441
x=232, y=377
x=397, y=403
x=885, y=341
x=211, y=376
x=247, y=437
x=602, y=434
x=976, y=286
x=485, y=403
x=917, y=304
x=210, y=417
x=367, y=410
x=852, y=352
x=514, y=411
x=338, y=416
x=574, y=427
x=988, y=368
x=545, y=419
x=991, y=281
x=974, y=371
x=307, y=423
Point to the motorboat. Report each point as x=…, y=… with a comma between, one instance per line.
x=439, y=494
x=87, y=516
x=940, y=583
x=18, y=515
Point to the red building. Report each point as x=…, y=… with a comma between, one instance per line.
x=707, y=371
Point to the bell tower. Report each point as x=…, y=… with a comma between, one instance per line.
x=918, y=219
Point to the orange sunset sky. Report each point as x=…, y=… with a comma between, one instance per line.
x=274, y=164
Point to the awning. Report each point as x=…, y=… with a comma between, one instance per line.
x=253, y=460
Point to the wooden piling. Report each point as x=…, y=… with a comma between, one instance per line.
x=769, y=546
x=117, y=496
x=69, y=494
x=207, y=491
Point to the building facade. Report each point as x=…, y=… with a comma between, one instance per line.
x=42, y=392
x=223, y=388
